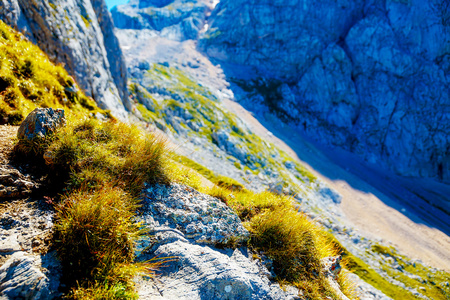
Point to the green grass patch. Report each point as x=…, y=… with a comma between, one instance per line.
x=430, y=282
x=101, y=167
x=28, y=80
x=209, y=116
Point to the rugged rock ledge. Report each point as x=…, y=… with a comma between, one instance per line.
x=186, y=227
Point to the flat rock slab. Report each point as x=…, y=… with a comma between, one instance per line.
x=199, y=217
x=204, y=272
x=21, y=278
x=185, y=226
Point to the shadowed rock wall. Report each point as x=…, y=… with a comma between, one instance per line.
x=370, y=76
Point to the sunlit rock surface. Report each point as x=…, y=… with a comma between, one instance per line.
x=175, y=19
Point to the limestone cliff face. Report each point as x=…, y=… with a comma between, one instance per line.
x=176, y=19
x=78, y=34
x=369, y=76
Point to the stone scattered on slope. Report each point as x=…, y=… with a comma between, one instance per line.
x=13, y=184
x=332, y=268
x=200, y=218
x=41, y=122
x=365, y=290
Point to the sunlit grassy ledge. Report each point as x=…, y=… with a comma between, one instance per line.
x=28, y=80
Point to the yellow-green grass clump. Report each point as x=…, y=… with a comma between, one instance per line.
x=431, y=283
x=101, y=167
x=293, y=242
x=28, y=80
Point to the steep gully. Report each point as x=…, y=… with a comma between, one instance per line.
x=380, y=204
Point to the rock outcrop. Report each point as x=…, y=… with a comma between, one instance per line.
x=369, y=76
x=41, y=122
x=187, y=226
x=28, y=270
x=20, y=278
x=174, y=19
x=79, y=35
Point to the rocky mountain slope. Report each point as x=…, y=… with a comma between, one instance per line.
x=164, y=68
x=79, y=35
x=371, y=77
x=176, y=89
x=177, y=20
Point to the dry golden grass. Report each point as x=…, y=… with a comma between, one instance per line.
x=101, y=167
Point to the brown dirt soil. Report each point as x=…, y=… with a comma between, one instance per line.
x=7, y=135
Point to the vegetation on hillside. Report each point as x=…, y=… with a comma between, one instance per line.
x=176, y=103
x=28, y=80
x=101, y=168
x=98, y=169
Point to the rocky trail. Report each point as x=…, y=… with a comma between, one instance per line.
x=28, y=268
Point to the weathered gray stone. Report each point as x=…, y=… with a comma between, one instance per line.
x=175, y=19
x=20, y=278
x=79, y=34
x=41, y=122
x=200, y=217
x=202, y=272
x=13, y=184
x=231, y=144
x=9, y=244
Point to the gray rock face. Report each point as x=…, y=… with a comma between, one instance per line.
x=175, y=19
x=41, y=122
x=14, y=184
x=20, y=278
x=200, y=217
x=78, y=34
x=369, y=76
x=202, y=272
x=27, y=269
x=182, y=221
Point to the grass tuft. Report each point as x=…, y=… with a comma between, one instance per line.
x=95, y=232
x=101, y=167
